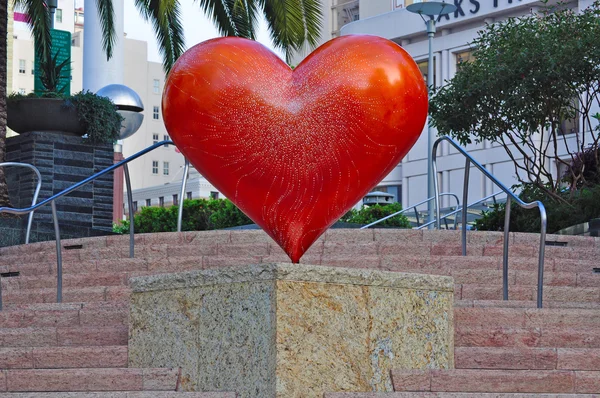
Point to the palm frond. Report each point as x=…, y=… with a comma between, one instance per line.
x=107, y=21
x=165, y=17
x=222, y=14
x=245, y=18
x=38, y=19
x=292, y=23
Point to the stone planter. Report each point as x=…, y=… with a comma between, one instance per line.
x=43, y=114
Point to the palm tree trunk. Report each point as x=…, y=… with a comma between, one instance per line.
x=4, y=200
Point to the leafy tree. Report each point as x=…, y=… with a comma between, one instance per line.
x=529, y=76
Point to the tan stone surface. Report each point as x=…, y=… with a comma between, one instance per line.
x=287, y=331
x=287, y=271
x=336, y=337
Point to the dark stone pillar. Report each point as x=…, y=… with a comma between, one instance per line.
x=63, y=160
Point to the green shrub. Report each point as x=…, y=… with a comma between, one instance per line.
x=198, y=215
x=228, y=215
x=583, y=206
x=369, y=214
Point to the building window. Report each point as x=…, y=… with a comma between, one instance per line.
x=32, y=67
x=155, y=167
x=188, y=195
x=58, y=15
x=148, y=202
x=175, y=200
x=214, y=195
x=570, y=126
x=154, y=138
x=22, y=66
x=166, y=138
x=423, y=66
x=156, y=86
x=135, y=206
x=161, y=201
x=155, y=113
x=166, y=168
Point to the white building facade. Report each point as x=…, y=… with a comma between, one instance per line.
x=391, y=20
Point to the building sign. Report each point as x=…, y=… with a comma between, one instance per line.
x=61, y=45
x=472, y=7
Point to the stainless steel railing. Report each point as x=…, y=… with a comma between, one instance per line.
x=510, y=196
x=459, y=210
x=38, y=186
x=52, y=201
x=414, y=207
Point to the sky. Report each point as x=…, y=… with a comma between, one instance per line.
x=197, y=28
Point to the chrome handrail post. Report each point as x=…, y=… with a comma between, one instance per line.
x=186, y=169
x=58, y=254
x=35, y=197
x=464, y=210
x=436, y=188
x=544, y=224
x=505, y=249
x=131, y=212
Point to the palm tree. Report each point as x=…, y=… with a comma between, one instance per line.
x=292, y=24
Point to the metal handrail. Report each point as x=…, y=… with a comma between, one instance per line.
x=458, y=210
x=415, y=209
x=510, y=197
x=35, y=196
x=51, y=200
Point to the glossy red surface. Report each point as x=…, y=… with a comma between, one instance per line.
x=295, y=150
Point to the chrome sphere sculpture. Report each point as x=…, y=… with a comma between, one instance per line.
x=129, y=105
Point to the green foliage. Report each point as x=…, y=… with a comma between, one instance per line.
x=529, y=75
x=198, y=215
x=369, y=214
x=228, y=215
x=98, y=115
x=561, y=214
x=51, y=73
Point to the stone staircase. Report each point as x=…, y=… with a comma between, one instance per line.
x=501, y=347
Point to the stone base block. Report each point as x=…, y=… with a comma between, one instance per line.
x=291, y=330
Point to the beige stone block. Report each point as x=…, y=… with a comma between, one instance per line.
x=290, y=330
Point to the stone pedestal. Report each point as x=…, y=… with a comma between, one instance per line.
x=291, y=330
x=63, y=160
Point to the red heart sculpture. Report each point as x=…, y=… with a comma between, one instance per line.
x=295, y=149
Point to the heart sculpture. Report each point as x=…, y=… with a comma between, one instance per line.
x=295, y=149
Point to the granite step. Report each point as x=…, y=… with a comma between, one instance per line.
x=69, y=295
x=524, y=304
x=527, y=317
x=69, y=280
x=120, y=394
x=65, y=315
x=489, y=336
x=527, y=358
x=450, y=395
x=523, y=293
x=64, y=336
x=497, y=381
x=90, y=379
x=63, y=357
